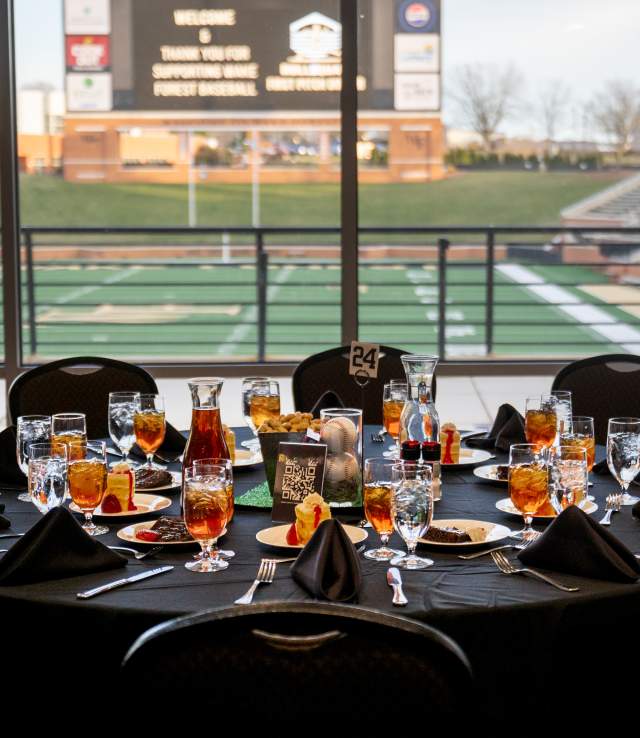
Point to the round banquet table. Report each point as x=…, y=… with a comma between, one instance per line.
x=528, y=643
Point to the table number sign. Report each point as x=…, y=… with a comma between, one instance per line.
x=363, y=359
x=299, y=473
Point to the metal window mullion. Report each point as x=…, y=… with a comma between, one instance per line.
x=349, y=171
x=10, y=228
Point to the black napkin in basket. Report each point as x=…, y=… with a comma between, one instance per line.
x=10, y=472
x=576, y=544
x=328, y=566
x=54, y=548
x=508, y=428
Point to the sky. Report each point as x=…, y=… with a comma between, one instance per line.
x=583, y=43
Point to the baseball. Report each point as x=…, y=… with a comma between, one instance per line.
x=340, y=467
x=339, y=434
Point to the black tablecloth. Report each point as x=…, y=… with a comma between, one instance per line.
x=519, y=633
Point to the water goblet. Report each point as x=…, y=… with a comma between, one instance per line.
x=122, y=409
x=412, y=510
x=394, y=396
x=47, y=474
x=623, y=454
x=30, y=429
x=564, y=410
x=567, y=476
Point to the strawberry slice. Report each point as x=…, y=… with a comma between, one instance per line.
x=111, y=504
x=147, y=535
x=292, y=535
x=317, y=510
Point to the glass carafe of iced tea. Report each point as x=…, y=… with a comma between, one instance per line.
x=206, y=438
x=419, y=419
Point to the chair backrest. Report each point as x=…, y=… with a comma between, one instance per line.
x=304, y=659
x=77, y=384
x=329, y=370
x=604, y=387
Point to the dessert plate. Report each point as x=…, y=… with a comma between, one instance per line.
x=480, y=531
x=129, y=534
x=469, y=457
x=506, y=506
x=176, y=482
x=247, y=457
x=144, y=502
x=276, y=536
x=490, y=473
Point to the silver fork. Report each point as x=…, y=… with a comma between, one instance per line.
x=506, y=567
x=517, y=546
x=266, y=572
x=379, y=436
x=612, y=504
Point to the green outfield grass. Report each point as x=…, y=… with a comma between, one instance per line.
x=505, y=198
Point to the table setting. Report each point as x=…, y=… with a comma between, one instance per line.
x=211, y=541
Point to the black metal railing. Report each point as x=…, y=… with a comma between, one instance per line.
x=265, y=250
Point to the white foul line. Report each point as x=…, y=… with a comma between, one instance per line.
x=623, y=334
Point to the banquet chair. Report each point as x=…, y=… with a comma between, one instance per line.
x=304, y=660
x=329, y=371
x=77, y=384
x=603, y=387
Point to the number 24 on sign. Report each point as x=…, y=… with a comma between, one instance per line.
x=363, y=360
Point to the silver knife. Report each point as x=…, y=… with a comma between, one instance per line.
x=122, y=582
x=11, y=535
x=394, y=580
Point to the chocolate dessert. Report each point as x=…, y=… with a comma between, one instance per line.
x=502, y=472
x=152, y=478
x=447, y=535
x=171, y=530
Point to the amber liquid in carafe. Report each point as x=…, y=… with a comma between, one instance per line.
x=206, y=440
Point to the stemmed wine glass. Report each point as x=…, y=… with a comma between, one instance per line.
x=88, y=480
x=265, y=401
x=247, y=391
x=205, y=509
x=564, y=410
x=412, y=510
x=30, y=429
x=122, y=408
x=567, y=476
x=541, y=421
x=378, y=490
x=47, y=474
x=394, y=396
x=68, y=427
x=149, y=425
x=623, y=454
x=528, y=484
x=217, y=468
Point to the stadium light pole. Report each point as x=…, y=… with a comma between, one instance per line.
x=349, y=170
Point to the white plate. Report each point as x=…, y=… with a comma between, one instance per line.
x=145, y=503
x=177, y=482
x=129, y=534
x=246, y=457
x=488, y=473
x=506, y=506
x=276, y=536
x=469, y=457
x=492, y=532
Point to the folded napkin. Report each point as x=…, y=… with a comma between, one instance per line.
x=10, y=472
x=54, y=548
x=327, y=400
x=328, y=566
x=635, y=511
x=601, y=467
x=4, y=521
x=508, y=428
x=576, y=544
x=172, y=446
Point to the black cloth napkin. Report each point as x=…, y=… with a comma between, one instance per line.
x=508, y=428
x=172, y=446
x=635, y=511
x=601, y=467
x=54, y=548
x=576, y=544
x=327, y=400
x=4, y=521
x=328, y=566
x=10, y=472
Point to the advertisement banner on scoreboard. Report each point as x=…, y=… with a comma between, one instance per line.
x=87, y=53
x=87, y=17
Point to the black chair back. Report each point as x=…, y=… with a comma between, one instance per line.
x=304, y=659
x=604, y=387
x=329, y=370
x=77, y=384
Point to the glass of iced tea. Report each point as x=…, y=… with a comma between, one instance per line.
x=567, y=476
x=217, y=467
x=528, y=483
x=69, y=427
x=378, y=489
x=264, y=403
x=581, y=434
x=541, y=421
x=393, y=400
x=87, y=478
x=247, y=392
x=205, y=509
x=149, y=425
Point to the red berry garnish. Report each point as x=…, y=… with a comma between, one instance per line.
x=316, y=515
x=147, y=535
x=292, y=535
x=111, y=504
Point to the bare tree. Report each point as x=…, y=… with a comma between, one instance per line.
x=553, y=100
x=616, y=113
x=486, y=97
